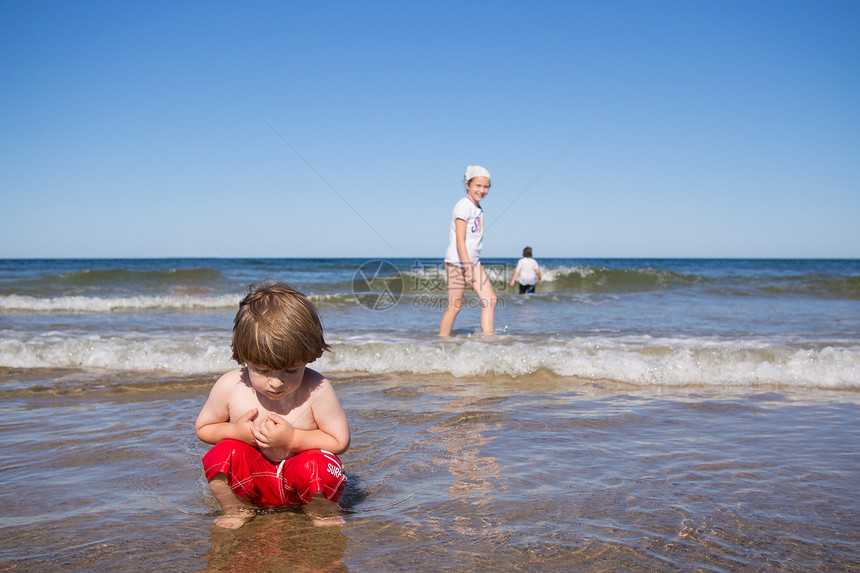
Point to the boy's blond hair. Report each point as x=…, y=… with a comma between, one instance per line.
x=277, y=327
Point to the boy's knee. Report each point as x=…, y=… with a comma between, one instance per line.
x=312, y=472
x=219, y=482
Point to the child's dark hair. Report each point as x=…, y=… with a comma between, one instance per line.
x=277, y=327
x=527, y=252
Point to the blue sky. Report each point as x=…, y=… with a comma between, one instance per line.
x=328, y=129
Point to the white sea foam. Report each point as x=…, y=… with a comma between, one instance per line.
x=16, y=302
x=644, y=362
x=176, y=355
x=60, y=304
x=551, y=274
x=639, y=361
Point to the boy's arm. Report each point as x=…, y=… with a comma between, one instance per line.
x=331, y=419
x=332, y=433
x=213, y=423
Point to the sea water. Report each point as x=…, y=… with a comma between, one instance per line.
x=643, y=322
x=630, y=415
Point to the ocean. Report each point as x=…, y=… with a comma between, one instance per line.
x=631, y=415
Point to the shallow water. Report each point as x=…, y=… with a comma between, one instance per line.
x=103, y=472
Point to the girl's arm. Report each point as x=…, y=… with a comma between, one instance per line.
x=460, y=229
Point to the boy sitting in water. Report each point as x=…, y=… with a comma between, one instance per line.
x=276, y=424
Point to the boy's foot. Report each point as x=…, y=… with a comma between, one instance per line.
x=323, y=513
x=234, y=518
x=327, y=520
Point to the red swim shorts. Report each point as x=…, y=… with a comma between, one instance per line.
x=293, y=481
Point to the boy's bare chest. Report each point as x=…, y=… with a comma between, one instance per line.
x=298, y=413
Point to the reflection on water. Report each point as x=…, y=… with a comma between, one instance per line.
x=276, y=541
x=477, y=478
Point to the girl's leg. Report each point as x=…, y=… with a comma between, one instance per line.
x=456, y=289
x=484, y=290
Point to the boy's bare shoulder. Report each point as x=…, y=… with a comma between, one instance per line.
x=232, y=376
x=313, y=381
x=231, y=379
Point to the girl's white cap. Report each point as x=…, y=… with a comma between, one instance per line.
x=473, y=171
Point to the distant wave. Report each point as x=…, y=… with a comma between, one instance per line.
x=596, y=279
x=115, y=303
x=560, y=279
x=817, y=284
x=93, y=304
x=101, y=277
x=639, y=361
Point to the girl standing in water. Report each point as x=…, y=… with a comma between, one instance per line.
x=463, y=257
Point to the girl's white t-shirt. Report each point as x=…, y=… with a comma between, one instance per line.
x=474, y=217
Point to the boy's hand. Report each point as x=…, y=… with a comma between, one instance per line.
x=244, y=427
x=274, y=432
